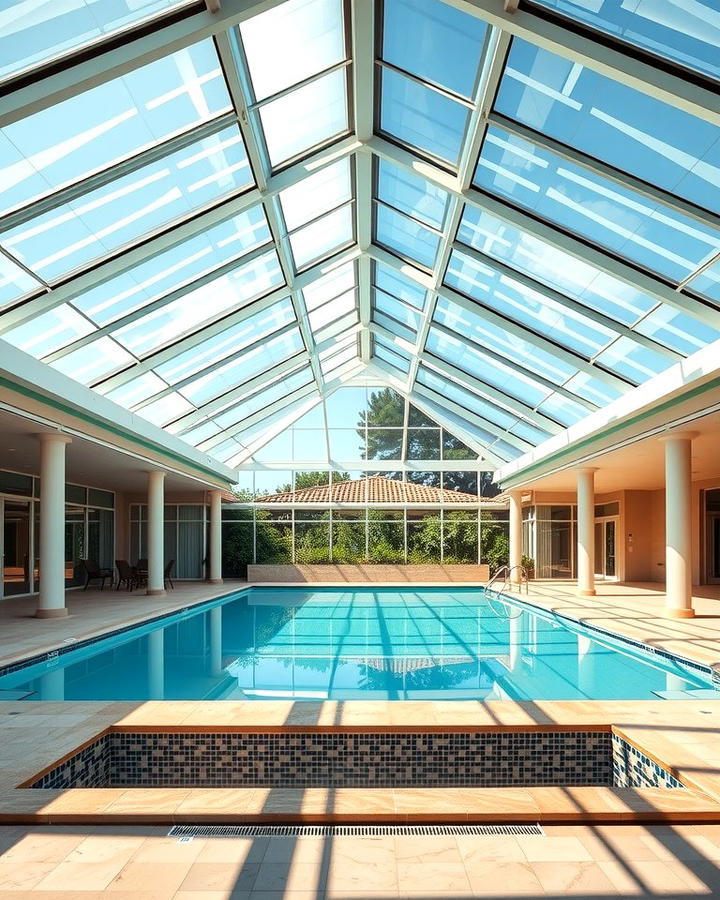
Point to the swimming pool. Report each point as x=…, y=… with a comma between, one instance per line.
x=362, y=643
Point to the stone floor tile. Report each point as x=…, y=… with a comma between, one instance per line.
x=440, y=877
x=644, y=877
x=553, y=849
x=290, y=876
x=239, y=850
x=485, y=848
x=163, y=876
x=168, y=849
x=427, y=849
x=81, y=876
x=220, y=877
x=20, y=875
x=503, y=878
x=565, y=877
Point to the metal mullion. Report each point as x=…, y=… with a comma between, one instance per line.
x=186, y=342
x=499, y=432
x=596, y=166
x=240, y=393
x=216, y=364
x=336, y=67
x=290, y=233
x=394, y=340
x=617, y=62
x=703, y=267
x=510, y=404
x=563, y=300
x=436, y=88
x=167, y=237
x=141, y=312
x=114, y=172
x=353, y=328
x=636, y=278
x=512, y=364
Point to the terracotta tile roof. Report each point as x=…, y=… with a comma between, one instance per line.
x=379, y=490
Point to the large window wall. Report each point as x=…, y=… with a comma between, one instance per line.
x=89, y=532
x=373, y=534
x=185, y=537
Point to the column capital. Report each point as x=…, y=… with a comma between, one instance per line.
x=587, y=470
x=678, y=436
x=156, y=473
x=53, y=437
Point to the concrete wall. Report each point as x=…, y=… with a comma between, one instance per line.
x=375, y=574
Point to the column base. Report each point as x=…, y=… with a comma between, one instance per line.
x=155, y=592
x=57, y=613
x=678, y=612
x=591, y=593
x=215, y=580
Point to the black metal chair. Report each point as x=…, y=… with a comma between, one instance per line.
x=141, y=572
x=93, y=572
x=126, y=574
x=167, y=575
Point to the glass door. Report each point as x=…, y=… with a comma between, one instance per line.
x=15, y=547
x=605, y=548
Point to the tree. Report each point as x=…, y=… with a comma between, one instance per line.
x=312, y=479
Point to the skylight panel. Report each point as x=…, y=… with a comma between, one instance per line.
x=138, y=390
x=316, y=194
x=238, y=371
x=94, y=361
x=707, y=283
x=228, y=343
x=686, y=32
x=292, y=42
x=677, y=330
x=392, y=355
x=306, y=117
x=185, y=314
x=434, y=41
x=115, y=120
x=464, y=397
x=421, y=117
x=173, y=268
x=44, y=31
x=582, y=202
x=336, y=282
x=396, y=309
x=85, y=229
x=399, y=285
x=411, y=194
x=553, y=267
x=15, y=282
x=607, y=120
x=632, y=361
x=523, y=305
x=338, y=307
x=164, y=410
x=405, y=237
x=261, y=399
x=322, y=237
x=49, y=331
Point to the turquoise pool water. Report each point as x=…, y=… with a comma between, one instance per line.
x=369, y=643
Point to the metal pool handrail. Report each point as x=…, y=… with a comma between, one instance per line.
x=507, y=573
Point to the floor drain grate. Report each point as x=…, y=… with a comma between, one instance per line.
x=185, y=831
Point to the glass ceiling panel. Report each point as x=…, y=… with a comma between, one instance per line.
x=391, y=354
x=168, y=271
x=392, y=326
x=35, y=33
x=118, y=119
x=316, y=194
x=421, y=117
x=333, y=310
x=335, y=283
x=47, y=332
x=86, y=229
x=94, y=361
x=528, y=307
x=228, y=342
x=263, y=398
x=553, y=267
x=306, y=117
x=394, y=308
x=685, y=31
x=166, y=409
x=405, y=237
x=185, y=314
x=411, y=194
x=707, y=283
x=136, y=391
x=632, y=131
x=398, y=285
x=15, y=282
x=322, y=237
x=231, y=374
x=581, y=202
x=434, y=41
x=292, y=42
x=677, y=330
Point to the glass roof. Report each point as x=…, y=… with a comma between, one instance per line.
x=223, y=227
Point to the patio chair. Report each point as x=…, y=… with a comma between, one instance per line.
x=93, y=572
x=167, y=575
x=126, y=574
x=141, y=572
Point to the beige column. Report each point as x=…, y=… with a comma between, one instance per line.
x=216, y=666
x=678, y=524
x=586, y=532
x=156, y=663
x=51, y=599
x=155, y=533
x=515, y=537
x=215, y=537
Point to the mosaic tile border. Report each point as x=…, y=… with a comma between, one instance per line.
x=357, y=759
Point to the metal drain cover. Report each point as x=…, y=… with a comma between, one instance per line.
x=186, y=831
